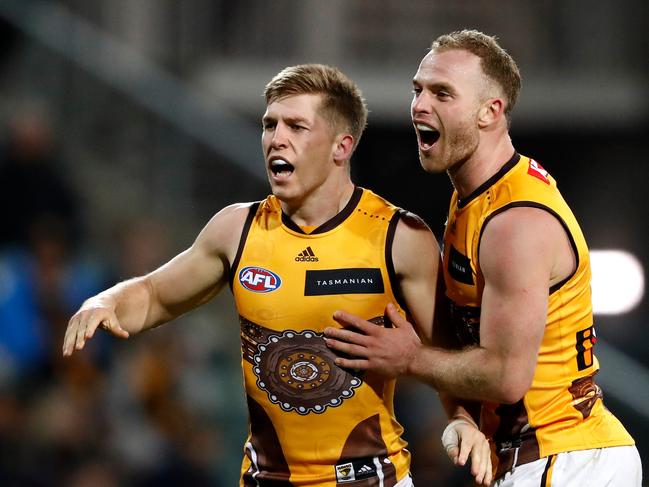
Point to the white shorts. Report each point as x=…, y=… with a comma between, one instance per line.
x=405, y=482
x=617, y=466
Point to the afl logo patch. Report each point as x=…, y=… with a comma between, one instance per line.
x=259, y=280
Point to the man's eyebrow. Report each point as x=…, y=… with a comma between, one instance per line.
x=437, y=86
x=288, y=119
x=268, y=118
x=296, y=119
x=440, y=86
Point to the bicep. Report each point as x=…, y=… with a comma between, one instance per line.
x=416, y=258
x=188, y=280
x=196, y=275
x=517, y=255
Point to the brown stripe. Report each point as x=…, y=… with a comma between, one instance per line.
x=513, y=419
x=272, y=465
x=389, y=263
x=252, y=211
x=511, y=442
x=365, y=441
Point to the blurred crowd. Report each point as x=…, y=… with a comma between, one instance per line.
x=150, y=413
x=164, y=408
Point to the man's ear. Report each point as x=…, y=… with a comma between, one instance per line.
x=344, y=148
x=490, y=112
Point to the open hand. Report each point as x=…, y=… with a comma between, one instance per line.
x=82, y=326
x=387, y=351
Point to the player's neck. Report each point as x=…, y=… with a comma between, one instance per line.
x=320, y=205
x=482, y=165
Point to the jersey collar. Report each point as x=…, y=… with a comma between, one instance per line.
x=462, y=202
x=333, y=222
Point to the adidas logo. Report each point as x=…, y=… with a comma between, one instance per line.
x=306, y=255
x=365, y=469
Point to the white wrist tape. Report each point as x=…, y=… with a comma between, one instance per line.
x=450, y=438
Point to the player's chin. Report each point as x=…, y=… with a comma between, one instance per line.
x=281, y=190
x=288, y=192
x=426, y=162
x=431, y=163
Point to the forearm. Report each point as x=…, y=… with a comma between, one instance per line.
x=460, y=408
x=474, y=374
x=132, y=302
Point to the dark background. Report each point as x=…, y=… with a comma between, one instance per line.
x=126, y=125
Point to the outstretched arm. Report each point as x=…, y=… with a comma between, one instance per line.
x=188, y=280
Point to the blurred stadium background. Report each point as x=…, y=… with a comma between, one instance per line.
x=125, y=124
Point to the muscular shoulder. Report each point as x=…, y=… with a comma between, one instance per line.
x=221, y=234
x=413, y=232
x=524, y=224
x=526, y=237
x=414, y=244
x=413, y=222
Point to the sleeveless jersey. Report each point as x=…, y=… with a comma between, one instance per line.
x=310, y=421
x=563, y=409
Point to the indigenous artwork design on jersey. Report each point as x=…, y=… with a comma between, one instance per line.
x=298, y=373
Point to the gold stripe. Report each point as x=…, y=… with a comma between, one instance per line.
x=548, y=477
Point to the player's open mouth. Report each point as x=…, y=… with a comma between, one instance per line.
x=281, y=168
x=427, y=135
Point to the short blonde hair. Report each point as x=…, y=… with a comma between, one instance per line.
x=496, y=63
x=342, y=101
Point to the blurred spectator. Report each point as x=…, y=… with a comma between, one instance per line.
x=32, y=185
x=162, y=433
x=143, y=246
x=48, y=410
x=40, y=285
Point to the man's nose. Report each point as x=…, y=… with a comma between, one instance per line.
x=421, y=104
x=279, y=139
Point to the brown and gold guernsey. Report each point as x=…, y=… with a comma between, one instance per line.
x=563, y=409
x=310, y=421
